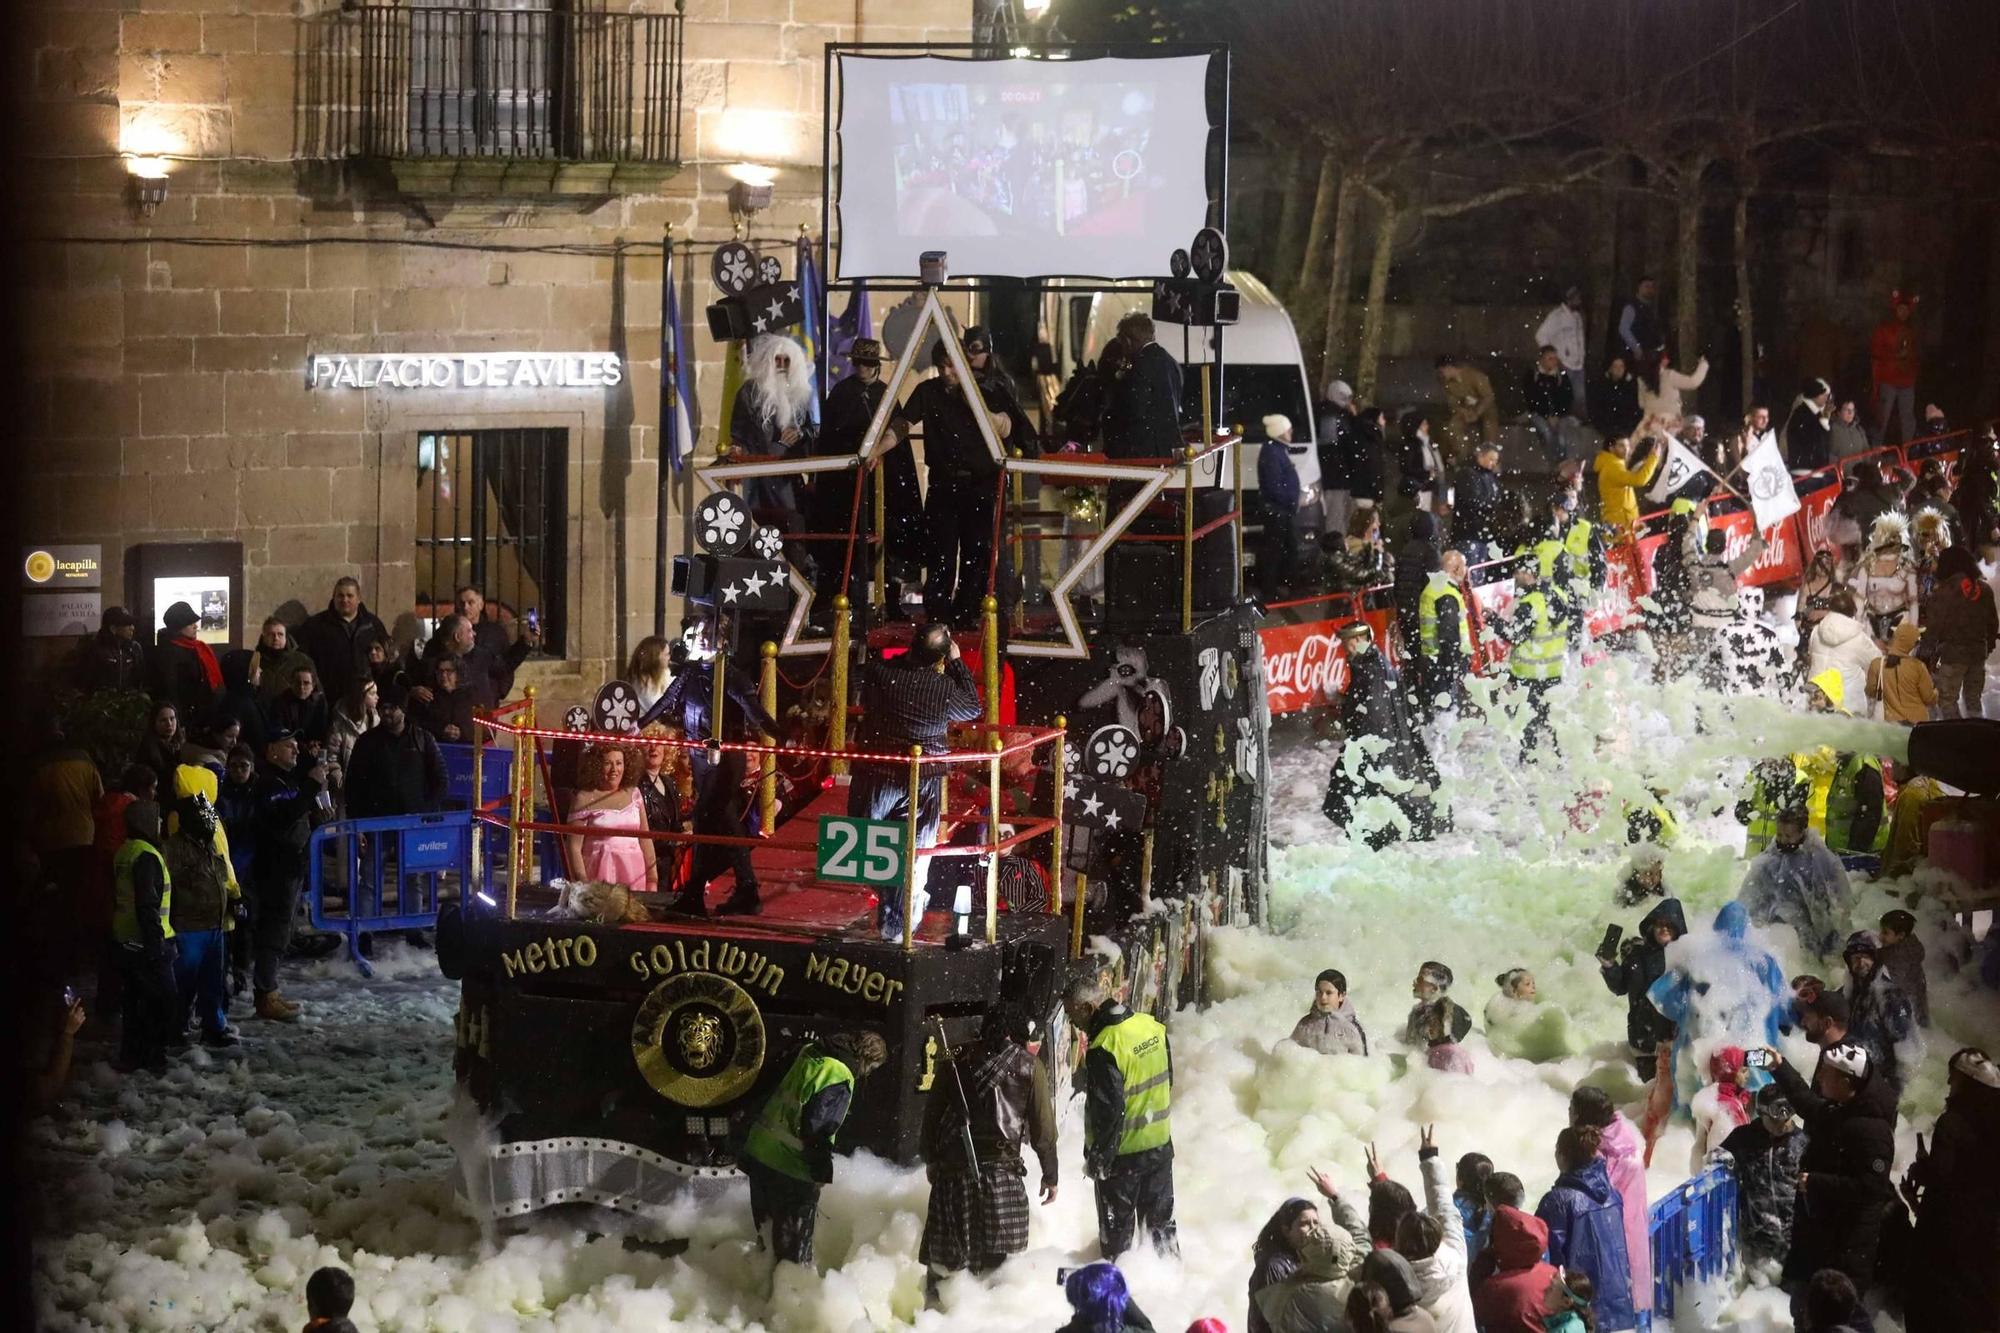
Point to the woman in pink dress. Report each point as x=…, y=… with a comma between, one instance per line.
x=607, y=797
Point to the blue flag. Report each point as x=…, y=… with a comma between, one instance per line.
x=857, y=321
x=680, y=413
x=813, y=300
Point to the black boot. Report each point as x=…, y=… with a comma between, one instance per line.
x=691, y=901
x=743, y=902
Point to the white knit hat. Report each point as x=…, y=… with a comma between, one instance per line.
x=1277, y=424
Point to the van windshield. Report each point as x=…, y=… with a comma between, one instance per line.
x=1251, y=393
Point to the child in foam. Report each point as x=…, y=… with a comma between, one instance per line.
x=1432, y=984
x=1520, y=1025
x=1331, y=1026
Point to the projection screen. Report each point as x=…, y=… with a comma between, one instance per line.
x=1021, y=168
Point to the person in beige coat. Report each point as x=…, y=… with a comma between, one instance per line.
x=1900, y=681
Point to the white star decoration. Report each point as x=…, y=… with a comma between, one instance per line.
x=1091, y=804
x=775, y=310
x=729, y=594
x=754, y=584
x=760, y=324
x=1111, y=820
x=1069, y=791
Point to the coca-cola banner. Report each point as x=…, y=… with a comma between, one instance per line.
x=1303, y=663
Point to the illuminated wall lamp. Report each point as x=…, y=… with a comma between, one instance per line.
x=149, y=182
x=752, y=190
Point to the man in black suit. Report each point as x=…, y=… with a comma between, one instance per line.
x=1144, y=420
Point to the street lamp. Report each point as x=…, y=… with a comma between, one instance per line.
x=149, y=182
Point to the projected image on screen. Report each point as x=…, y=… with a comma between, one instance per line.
x=1022, y=159
x=1021, y=167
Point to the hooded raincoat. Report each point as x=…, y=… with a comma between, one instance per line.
x=1721, y=988
x=1641, y=962
x=1513, y=1298
x=1806, y=889
x=1585, y=1218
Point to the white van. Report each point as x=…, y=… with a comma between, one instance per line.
x=1262, y=368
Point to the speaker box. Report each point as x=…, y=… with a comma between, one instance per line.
x=1142, y=580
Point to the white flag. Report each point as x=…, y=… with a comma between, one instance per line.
x=1680, y=468
x=1773, y=497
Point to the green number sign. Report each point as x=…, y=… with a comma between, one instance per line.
x=861, y=851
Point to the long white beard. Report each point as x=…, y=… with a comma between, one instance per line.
x=783, y=398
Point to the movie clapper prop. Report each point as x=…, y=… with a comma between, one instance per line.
x=1197, y=293
x=733, y=569
x=616, y=708
x=1095, y=804
x=755, y=297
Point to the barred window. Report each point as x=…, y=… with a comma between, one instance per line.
x=492, y=511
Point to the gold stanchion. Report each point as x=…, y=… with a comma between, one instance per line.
x=1024, y=551
x=514, y=819
x=1187, y=546
x=910, y=852
x=767, y=695
x=1056, y=767
x=989, y=657
x=528, y=787
x=993, y=838
x=836, y=722
x=1146, y=871
x=1076, y=916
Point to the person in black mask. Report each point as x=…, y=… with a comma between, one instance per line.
x=998, y=388
x=905, y=701
x=720, y=800
x=964, y=488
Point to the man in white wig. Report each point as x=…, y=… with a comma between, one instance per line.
x=773, y=418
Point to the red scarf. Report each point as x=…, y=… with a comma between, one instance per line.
x=211, y=670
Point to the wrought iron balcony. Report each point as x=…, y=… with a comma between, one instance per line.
x=504, y=90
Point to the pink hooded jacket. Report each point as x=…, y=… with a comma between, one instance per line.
x=1623, y=1149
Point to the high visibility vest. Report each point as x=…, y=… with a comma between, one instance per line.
x=1841, y=803
x=1764, y=811
x=774, y=1139
x=1540, y=655
x=1670, y=828
x=1435, y=591
x=1576, y=543
x=1139, y=1046
x=125, y=896
x=1549, y=552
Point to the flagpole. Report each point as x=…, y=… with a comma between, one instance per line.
x=667, y=435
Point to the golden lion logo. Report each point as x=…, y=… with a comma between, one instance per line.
x=700, y=1039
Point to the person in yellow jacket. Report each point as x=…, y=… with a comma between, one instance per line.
x=1128, y=1148
x=1846, y=803
x=1619, y=478
x=788, y=1153
x=142, y=939
x=1825, y=693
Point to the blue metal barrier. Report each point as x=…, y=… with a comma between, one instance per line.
x=497, y=774
x=1692, y=1232
x=392, y=870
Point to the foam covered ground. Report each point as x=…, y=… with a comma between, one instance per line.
x=205, y=1198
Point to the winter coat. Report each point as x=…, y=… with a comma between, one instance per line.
x=1442, y=1286
x=1882, y=1021
x=1806, y=890
x=1393, y=1273
x=1416, y=560
x=1712, y=583
x=109, y=661
x=1380, y=745
x=1413, y=1026
x=1277, y=478
x=1367, y=469
x=1808, y=439
x=395, y=775
x=1846, y=439
x=1475, y=506
x=1549, y=395
x=1420, y=463
x=1614, y=406
x=1640, y=963
x=1849, y=1151
x=1474, y=413
x=1513, y=1297
x=277, y=670
x=1586, y=1223
x=1622, y=1149
x=1958, y=1219
x=1337, y=1033
x=339, y=648
x=1959, y=620
x=1767, y=1183
x=1901, y=682
x=1904, y=960
x=1892, y=352
x=1308, y=1294
x=1673, y=383
x=1618, y=483
x=1672, y=611
x=175, y=675
x=203, y=884
x=1843, y=643
x=1335, y=467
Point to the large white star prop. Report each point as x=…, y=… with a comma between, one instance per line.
x=1092, y=804
x=754, y=584
x=730, y=593
x=1111, y=820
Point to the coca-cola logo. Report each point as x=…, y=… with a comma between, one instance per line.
x=1301, y=664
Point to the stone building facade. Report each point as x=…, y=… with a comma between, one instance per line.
x=168, y=398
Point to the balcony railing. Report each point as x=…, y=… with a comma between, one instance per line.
x=539, y=80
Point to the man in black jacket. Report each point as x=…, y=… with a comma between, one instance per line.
x=181, y=670
x=1475, y=522
x=337, y=638
x=1144, y=420
x=1373, y=705
x=111, y=659
x=489, y=636
x=910, y=701
x=964, y=480
x=286, y=798
x=844, y=422
x=1641, y=962
x=1128, y=1148
x=396, y=769
x=994, y=1095
x=1765, y=1156
x=1844, y=1175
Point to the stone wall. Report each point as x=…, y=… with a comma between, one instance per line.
x=166, y=396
